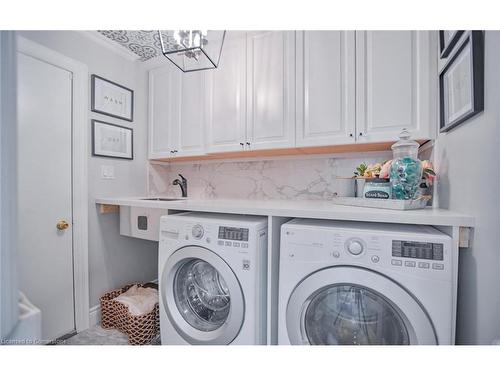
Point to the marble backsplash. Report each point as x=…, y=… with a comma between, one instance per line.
x=297, y=178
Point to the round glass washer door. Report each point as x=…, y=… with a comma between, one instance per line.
x=202, y=296
x=353, y=315
x=354, y=306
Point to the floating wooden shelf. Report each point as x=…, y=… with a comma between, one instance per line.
x=337, y=149
x=108, y=208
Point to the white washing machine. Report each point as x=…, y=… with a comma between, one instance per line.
x=365, y=283
x=213, y=279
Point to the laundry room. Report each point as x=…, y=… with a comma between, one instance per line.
x=258, y=184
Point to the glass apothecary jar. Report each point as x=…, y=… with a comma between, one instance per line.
x=406, y=168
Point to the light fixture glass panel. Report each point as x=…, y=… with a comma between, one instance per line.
x=192, y=50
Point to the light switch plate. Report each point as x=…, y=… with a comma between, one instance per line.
x=107, y=172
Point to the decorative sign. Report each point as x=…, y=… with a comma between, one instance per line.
x=111, y=140
x=112, y=99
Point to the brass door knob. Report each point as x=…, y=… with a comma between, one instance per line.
x=62, y=225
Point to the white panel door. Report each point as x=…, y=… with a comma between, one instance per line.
x=227, y=96
x=164, y=110
x=271, y=89
x=188, y=130
x=45, y=192
x=396, y=75
x=326, y=86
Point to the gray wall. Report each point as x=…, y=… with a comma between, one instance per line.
x=114, y=260
x=467, y=161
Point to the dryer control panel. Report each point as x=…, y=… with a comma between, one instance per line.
x=415, y=250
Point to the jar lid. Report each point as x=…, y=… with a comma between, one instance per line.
x=405, y=141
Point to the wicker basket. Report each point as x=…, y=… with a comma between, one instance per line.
x=141, y=329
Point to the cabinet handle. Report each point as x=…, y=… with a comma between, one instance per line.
x=360, y=134
x=176, y=151
x=171, y=151
x=242, y=144
x=350, y=135
x=248, y=143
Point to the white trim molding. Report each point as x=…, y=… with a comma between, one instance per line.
x=80, y=174
x=95, y=315
x=9, y=310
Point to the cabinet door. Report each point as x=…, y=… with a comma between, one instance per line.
x=325, y=88
x=164, y=107
x=188, y=131
x=271, y=89
x=227, y=96
x=396, y=77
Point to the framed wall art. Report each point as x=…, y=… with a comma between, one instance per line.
x=112, y=141
x=447, y=40
x=461, y=83
x=112, y=99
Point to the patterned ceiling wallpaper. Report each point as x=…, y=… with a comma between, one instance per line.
x=144, y=43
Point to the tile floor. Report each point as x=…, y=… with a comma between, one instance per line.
x=100, y=336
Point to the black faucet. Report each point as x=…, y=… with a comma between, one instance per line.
x=183, y=183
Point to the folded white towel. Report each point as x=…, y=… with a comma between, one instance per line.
x=139, y=300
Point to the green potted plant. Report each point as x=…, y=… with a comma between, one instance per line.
x=363, y=172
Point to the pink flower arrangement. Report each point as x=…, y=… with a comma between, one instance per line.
x=428, y=173
x=385, y=171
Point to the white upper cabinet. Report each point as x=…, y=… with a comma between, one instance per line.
x=177, y=113
x=396, y=84
x=286, y=89
x=227, y=97
x=325, y=88
x=271, y=89
x=164, y=104
x=190, y=127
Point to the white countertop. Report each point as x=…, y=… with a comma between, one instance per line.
x=303, y=209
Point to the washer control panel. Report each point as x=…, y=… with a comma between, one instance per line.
x=233, y=234
x=197, y=231
x=355, y=246
x=417, y=250
x=427, y=255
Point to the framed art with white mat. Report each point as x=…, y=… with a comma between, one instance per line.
x=461, y=82
x=112, y=141
x=111, y=99
x=447, y=40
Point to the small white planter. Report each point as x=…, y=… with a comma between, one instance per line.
x=360, y=186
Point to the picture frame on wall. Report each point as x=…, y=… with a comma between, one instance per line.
x=447, y=40
x=112, y=141
x=461, y=83
x=111, y=99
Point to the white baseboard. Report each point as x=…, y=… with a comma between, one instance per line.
x=95, y=315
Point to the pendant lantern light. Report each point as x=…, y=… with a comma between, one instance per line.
x=192, y=50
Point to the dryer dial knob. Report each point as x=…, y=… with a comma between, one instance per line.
x=355, y=247
x=197, y=231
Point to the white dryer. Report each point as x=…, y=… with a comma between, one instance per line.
x=365, y=283
x=212, y=279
